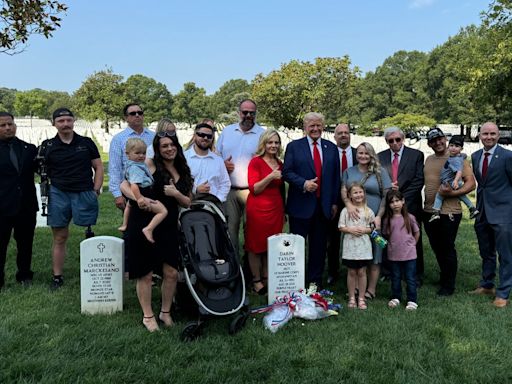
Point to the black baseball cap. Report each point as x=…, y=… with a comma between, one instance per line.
x=457, y=140
x=434, y=133
x=62, y=112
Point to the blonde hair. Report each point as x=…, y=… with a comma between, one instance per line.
x=366, y=209
x=134, y=143
x=374, y=166
x=164, y=125
x=264, y=139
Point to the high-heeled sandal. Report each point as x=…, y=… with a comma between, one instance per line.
x=152, y=326
x=262, y=291
x=166, y=323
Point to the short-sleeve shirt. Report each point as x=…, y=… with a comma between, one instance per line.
x=371, y=185
x=401, y=244
x=137, y=172
x=432, y=171
x=453, y=165
x=69, y=165
x=356, y=247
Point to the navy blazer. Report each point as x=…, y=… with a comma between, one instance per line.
x=299, y=167
x=410, y=176
x=494, y=194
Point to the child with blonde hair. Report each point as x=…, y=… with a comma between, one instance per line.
x=140, y=180
x=357, y=246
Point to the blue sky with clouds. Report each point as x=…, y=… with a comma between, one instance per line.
x=210, y=42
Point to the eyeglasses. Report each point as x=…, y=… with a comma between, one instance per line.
x=252, y=113
x=203, y=135
x=134, y=113
x=396, y=140
x=166, y=134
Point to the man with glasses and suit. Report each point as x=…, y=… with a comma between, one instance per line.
x=237, y=145
x=207, y=168
x=134, y=116
x=405, y=166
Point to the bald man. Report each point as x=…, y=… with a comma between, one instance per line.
x=492, y=166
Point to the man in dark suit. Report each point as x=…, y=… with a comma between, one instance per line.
x=405, y=166
x=492, y=166
x=18, y=201
x=347, y=159
x=312, y=170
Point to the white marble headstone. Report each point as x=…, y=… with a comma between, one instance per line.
x=286, y=265
x=102, y=274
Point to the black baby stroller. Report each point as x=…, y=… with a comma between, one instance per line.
x=210, y=266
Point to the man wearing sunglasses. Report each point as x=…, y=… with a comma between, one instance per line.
x=237, y=145
x=134, y=116
x=207, y=168
x=405, y=166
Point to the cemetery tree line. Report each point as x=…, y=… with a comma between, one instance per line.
x=466, y=80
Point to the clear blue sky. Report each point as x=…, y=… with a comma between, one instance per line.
x=212, y=41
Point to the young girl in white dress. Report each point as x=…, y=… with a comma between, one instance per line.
x=357, y=246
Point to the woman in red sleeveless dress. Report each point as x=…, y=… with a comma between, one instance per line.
x=265, y=205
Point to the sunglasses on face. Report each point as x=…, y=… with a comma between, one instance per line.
x=166, y=134
x=245, y=113
x=397, y=140
x=136, y=113
x=203, y=135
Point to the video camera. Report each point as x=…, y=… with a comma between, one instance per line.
x=42, y=170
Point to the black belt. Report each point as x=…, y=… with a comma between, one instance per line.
x=239, y=188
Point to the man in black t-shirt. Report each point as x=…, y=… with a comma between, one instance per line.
x=74, y=189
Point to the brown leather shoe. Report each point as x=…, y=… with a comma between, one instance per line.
x=499, y=302
x=483, y=291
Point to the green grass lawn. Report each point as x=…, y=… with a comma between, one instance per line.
x=45, y=339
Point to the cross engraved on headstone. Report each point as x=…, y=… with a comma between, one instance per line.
x=101, y=247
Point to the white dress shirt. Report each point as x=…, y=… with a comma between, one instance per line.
x=209, y=168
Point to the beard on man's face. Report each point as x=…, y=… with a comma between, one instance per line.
x=247, y=121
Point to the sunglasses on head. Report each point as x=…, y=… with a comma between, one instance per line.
x=166, y=134
x=252, y=113
x=396, y=140
x=134, y=113
x=203, y=135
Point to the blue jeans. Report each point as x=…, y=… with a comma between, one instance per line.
x=438, y=202
x=408, y=268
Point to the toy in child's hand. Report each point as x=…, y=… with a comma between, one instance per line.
x=379, y=240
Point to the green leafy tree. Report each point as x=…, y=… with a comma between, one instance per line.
x=7, y=97
x=151, y=95
x=19, y=19
x=31, y=103
x=396, y=86
x=284, y=96
x=190, y=104
x=226, y=99
x=101, y=96
x=408, y=122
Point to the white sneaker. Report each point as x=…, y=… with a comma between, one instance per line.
x=411, y=306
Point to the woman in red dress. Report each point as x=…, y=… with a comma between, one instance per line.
x=265, y=205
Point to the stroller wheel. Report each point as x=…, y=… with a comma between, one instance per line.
x=237, y=323
x=191, y=331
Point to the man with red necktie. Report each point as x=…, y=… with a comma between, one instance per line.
x=492, y=166
x=347, y=159
x=405, y=166
x=312, y=170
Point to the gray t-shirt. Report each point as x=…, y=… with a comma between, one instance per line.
x=453, y=165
